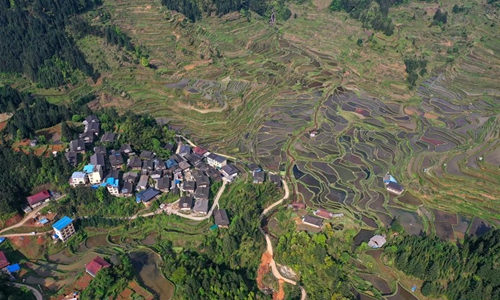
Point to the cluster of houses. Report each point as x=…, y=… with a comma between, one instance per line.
x=189, y=170
x=318, y=217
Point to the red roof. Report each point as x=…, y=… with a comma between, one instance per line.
x=200, y=151
x=3, y=260
x=34, y=199
x=298, y=205
x=323, y=214
x=96, y=264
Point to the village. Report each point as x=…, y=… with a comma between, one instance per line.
x=187, y=175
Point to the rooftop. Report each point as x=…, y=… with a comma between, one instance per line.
x=395, y=186
x=202, y=192
x=147, y=195
x=221, y=218
x=3, y=260
x=186, y=202
x=38, y=197
x=62, y=223
x=96, y=264
x=78, y=175
x=201, y=206
x=97, y=159
x=108, y=137
x=313, y=221
x=229, y=169
x=216, y=157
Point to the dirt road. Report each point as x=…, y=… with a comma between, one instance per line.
x=35, y=292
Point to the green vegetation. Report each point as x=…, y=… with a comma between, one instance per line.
x=21, y=172
x=110, y=282
x=38, y=45
x=319, y=265
x=224, y=265
x=468, y=270
x=8, y=292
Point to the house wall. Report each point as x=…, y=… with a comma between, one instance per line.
x=66, y=233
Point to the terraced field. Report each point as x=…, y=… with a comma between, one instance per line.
x=256, y=91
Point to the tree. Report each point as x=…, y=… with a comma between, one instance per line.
x=144, y=61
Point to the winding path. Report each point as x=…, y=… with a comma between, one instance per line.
x=35, y=292
x=216, y=203
x=269, y=245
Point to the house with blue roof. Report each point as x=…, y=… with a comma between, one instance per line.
x=94, y=173
x=147, y=196
x=112, y=183
x=64, y=228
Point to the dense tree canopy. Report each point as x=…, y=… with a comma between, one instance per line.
x=468, y=270
x=39, y=47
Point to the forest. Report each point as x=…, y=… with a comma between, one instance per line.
x=466, y=270
x=39, y=47
x=20, y=173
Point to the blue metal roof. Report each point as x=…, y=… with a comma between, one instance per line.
x=44, y=221
x=62, y=223
x=2, y=239
x=13, y=268
x=88, y=169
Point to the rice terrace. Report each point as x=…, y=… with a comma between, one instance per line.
x=376, y=124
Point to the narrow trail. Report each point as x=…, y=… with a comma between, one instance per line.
x=269, y=245
x=30, y=215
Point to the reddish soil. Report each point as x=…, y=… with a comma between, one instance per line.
x=140, y=290
x=3, y=125
x=264, y=268
x=40, y=240
x=14, y=220
x=125, y=294
x=83, y=282
x=20, y=241
x=280, y=294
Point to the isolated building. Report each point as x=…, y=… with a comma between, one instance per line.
x=312, y=221
x=395, y=188
x=64, y=229
x=221, y=219
x=96, y=265
x=377, y=241
x=38, y=198
x=323, y=214
x=276, y=179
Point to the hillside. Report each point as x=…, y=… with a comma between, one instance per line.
x=409, y=88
